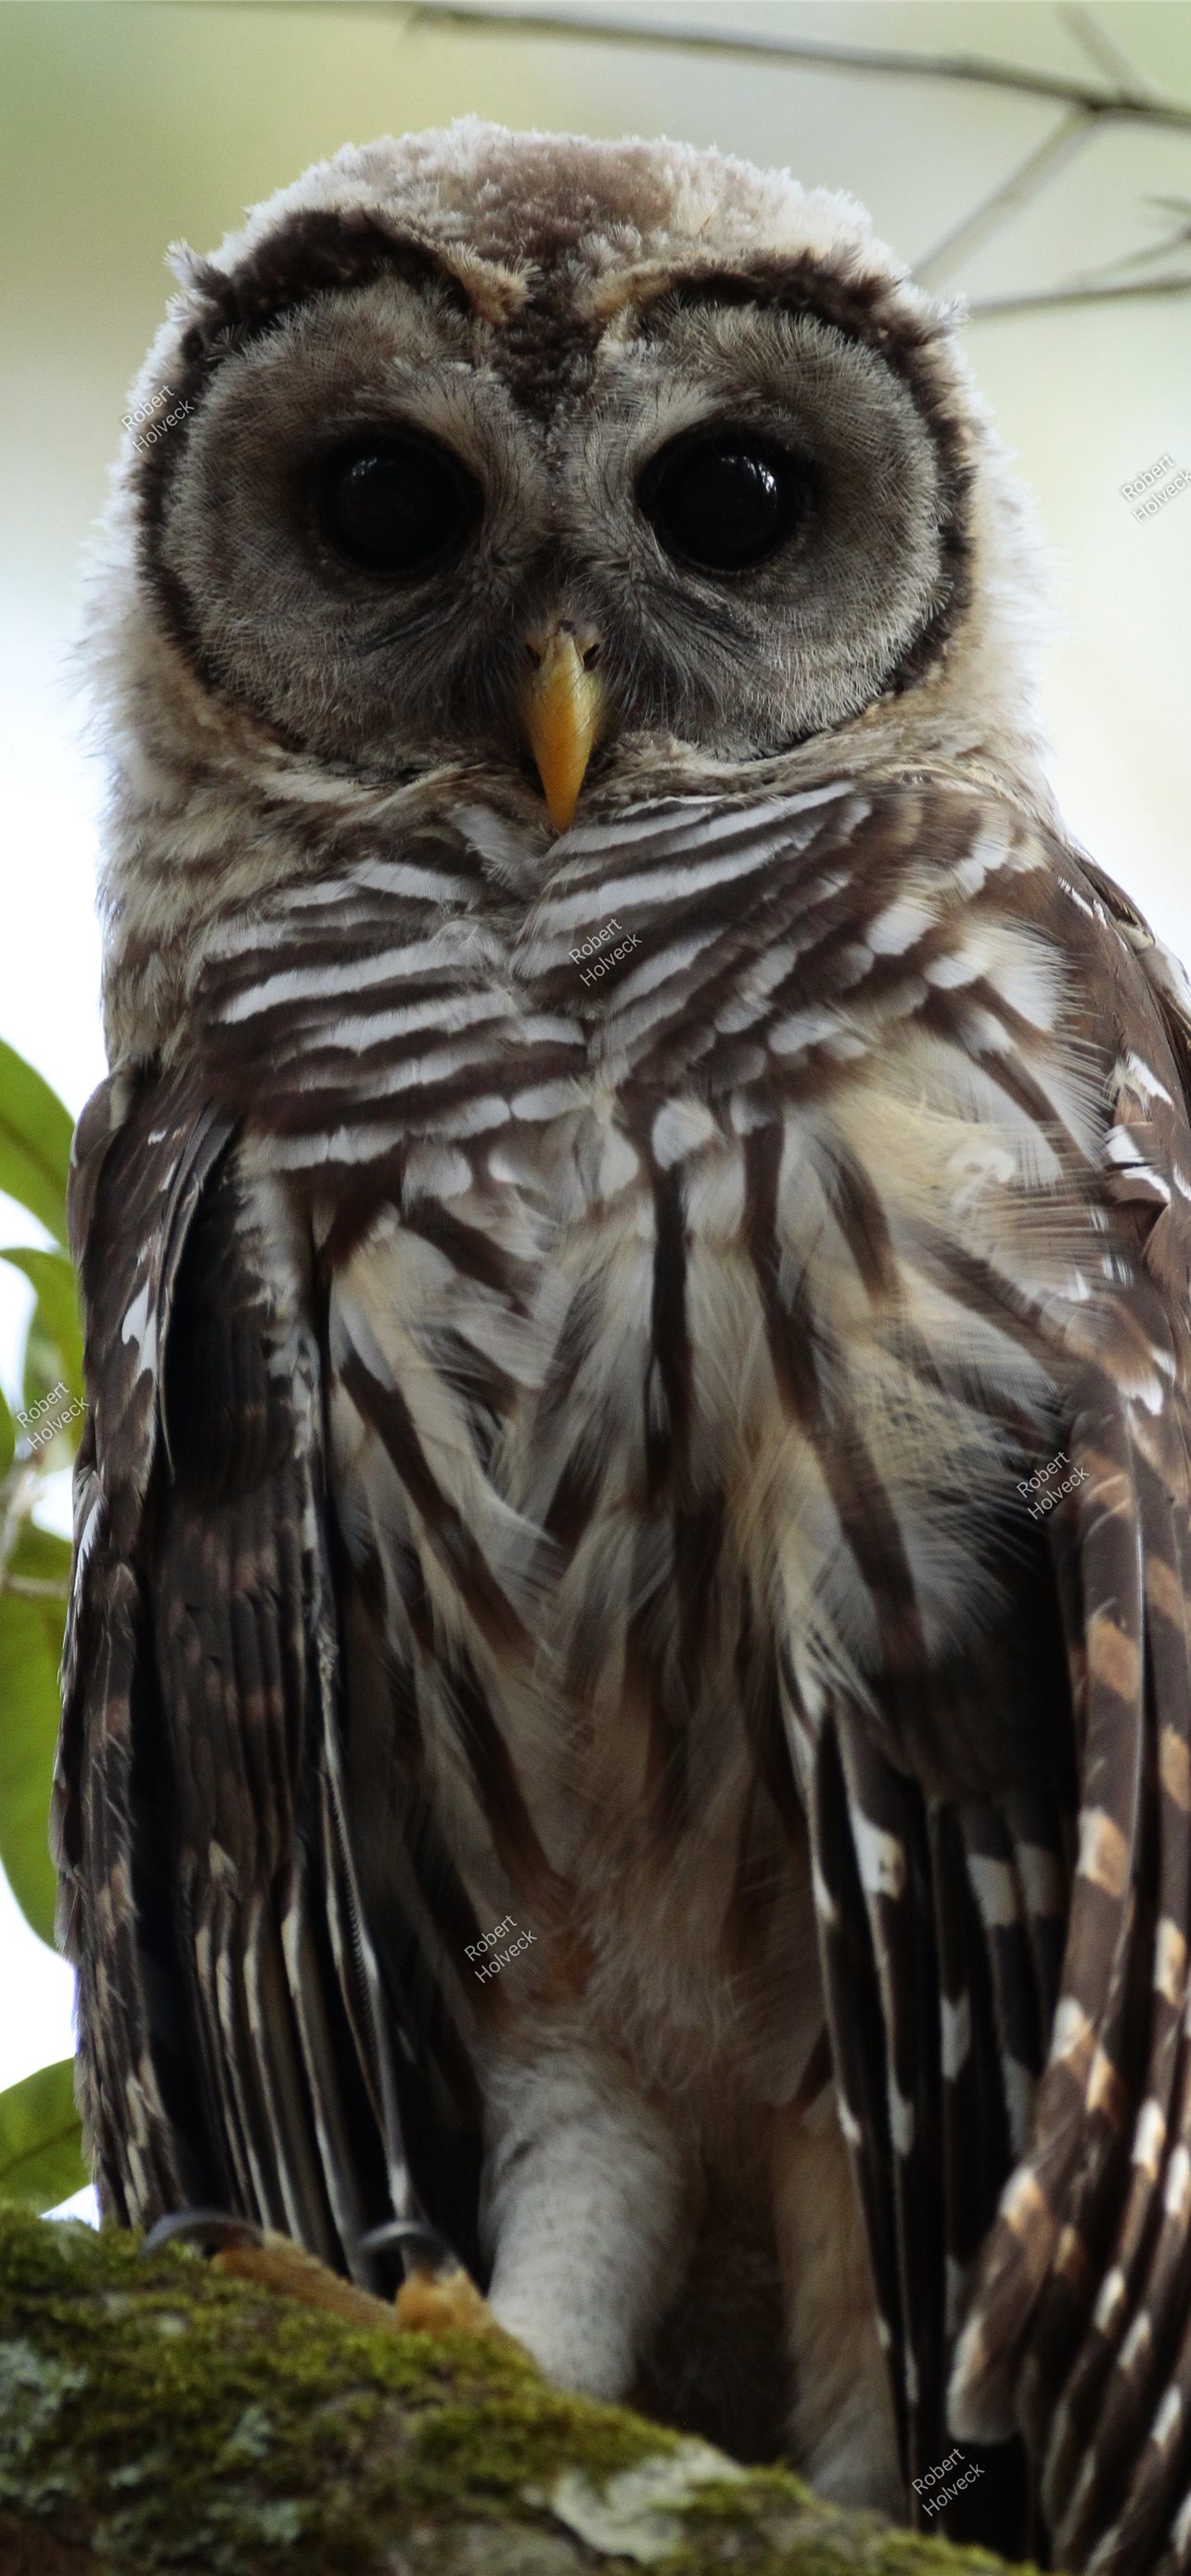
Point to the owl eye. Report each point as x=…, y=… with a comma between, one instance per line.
x=723, y=503
x=395, y=506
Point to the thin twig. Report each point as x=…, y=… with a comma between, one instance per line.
x=1087, y=108
x=1153, y=250
x=979, y=312
x=1110, y=103
x=30, y=1588
x=1105, y=52
x=1016, y=191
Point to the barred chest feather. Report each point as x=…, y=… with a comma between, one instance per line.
x=669, y=1313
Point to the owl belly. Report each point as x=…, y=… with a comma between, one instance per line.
x=604, y=1543
x=576, y=1450
x=568, y=1516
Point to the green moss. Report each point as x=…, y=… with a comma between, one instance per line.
x=817, y=2540
x=191, y=2421
x=184, y=2424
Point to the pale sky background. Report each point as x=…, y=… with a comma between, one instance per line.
x=124, y=128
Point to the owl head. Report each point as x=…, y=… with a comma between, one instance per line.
x=548, y=465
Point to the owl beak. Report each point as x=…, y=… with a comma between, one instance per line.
x=562, y=707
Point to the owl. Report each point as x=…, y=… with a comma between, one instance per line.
x=627, y=1698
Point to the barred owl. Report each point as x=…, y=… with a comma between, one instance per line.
x=627, y=1692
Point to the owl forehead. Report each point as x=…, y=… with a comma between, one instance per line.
x=551, y=246
x=535, y=203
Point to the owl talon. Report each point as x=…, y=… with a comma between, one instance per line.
x=211, y=2231
x=437, y=2295
x=270, y=2262
x=446, y=2303
x=423, y=2251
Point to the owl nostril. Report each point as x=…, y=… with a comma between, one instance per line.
x=587, y=644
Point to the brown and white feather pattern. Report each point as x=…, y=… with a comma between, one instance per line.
x=670, y=1351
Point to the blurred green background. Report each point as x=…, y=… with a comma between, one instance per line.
x=123, y=128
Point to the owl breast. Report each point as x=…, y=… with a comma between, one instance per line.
x=651, y=1337
x=540, y=1442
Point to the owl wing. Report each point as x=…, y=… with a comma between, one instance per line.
x=1003, y=1861
x=235, y=2051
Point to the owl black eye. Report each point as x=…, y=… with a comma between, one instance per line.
x=395, y=506
x=723, y=503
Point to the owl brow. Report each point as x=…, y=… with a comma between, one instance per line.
x=315, y=254
x=861, y=308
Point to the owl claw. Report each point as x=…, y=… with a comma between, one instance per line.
x=266, y=2261
x=213, y=2231
x=425, y=2254
x=437, y=2295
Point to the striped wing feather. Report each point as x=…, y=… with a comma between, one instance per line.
x=235, y=2046
x=1060, y=1936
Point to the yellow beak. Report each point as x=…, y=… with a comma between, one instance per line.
x=562, y=713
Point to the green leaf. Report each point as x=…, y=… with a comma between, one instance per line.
x=45, y=1556
x=8, y=1438
x=41, y=2141
x=55, y=1319
x=30, y=1651
x=35, y=1132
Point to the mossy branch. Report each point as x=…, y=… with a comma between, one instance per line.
x=155, y=2416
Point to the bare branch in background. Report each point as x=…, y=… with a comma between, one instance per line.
x=1107, y=54
x=28, y=1588
x=980, y=311
x=1016, y=191
x=1129, y=97
x=621, y=29
x=1175, y=240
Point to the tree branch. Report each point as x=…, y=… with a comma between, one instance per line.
x=743, y=41
x=988, y=305
x=1088, y=108
x=156, y=2417
x=1018, y=190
